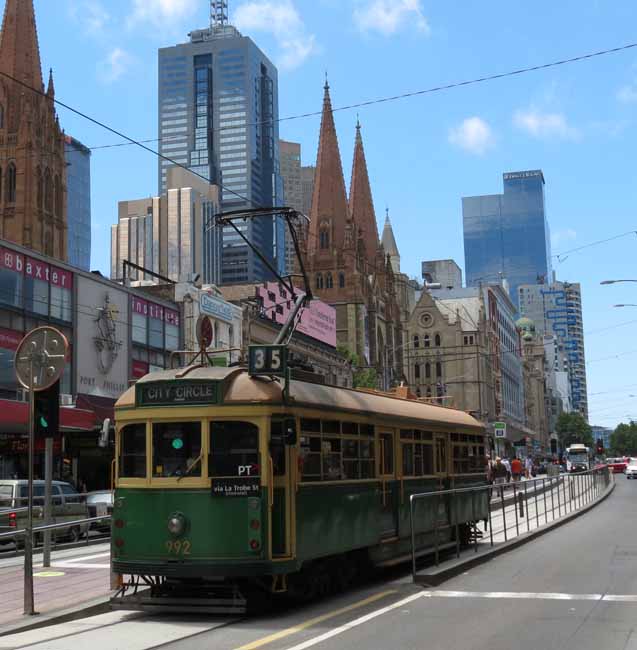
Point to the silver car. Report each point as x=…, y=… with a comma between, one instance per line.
x=67, y=505
x=631, y=469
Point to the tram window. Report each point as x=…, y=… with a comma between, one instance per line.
x=277, y=446
x=331, y=426
x=310, y=458
x=427, y=460
x=367, y=429
x=132, y=460
x=408, y=460
x=311, y=426
x=349, y=428
x=234, y=449
x=387, y=451
x=176, y=449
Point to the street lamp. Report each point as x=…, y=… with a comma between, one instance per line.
x=628, y=304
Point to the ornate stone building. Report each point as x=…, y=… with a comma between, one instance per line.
x=32, y=164
x=345, y=261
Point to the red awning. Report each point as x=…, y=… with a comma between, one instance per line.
x=14, y=418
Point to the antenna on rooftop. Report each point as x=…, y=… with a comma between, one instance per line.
x=218, y=13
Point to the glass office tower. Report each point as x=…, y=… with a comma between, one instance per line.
x=506, y=236
x=78, y=201
x=218, y=115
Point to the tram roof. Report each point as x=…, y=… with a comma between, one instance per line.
x=241, y=388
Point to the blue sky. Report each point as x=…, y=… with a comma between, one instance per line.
x=576, y=122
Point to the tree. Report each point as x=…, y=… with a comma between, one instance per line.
x=623, y=441
x=364, y=377
x=572, y=428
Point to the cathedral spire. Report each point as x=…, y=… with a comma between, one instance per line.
x=50, y=90
x=329, y=213
x=19, y=50
x=361, y=204
x=389, y=244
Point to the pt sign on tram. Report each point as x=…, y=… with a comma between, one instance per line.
x=39, y=363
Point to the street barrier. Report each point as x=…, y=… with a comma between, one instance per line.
x=514, y=506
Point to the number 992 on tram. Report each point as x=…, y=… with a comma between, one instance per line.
x=226, y=482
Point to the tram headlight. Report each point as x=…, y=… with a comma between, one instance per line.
x=177, y=524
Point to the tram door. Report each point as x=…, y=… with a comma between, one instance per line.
x=441, y=460
x=388, y=485
x=282, y=465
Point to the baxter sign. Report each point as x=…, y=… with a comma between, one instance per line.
x=177, y=393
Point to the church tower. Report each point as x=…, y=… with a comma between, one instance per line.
x=32, y=164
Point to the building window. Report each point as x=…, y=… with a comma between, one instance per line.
x=427, y=370
x=438, y=369
x=428, y=391
x=417, y=371
x=59, y=200
x=437, y=340
x=319, y=281
x=341, y=280
x=40, y=188
x=426, y=340
x=1, y=116
x=416, y=341
x=329, y=283
x=48, y=191
x=324, y=239
x=11, y=182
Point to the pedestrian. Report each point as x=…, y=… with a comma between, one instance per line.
x=528, y=467
x=507, y=464
x=516, y=469
x=499, y=473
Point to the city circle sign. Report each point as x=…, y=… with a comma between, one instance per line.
x=500, y=429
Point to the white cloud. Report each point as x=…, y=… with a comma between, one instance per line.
x=115, y=65
x=544, y=125
x=387, y=18
x=561, y=236
x=473, y=135
x=161, y=12
x=281, y=19
x=627, y=94
x=91, y=15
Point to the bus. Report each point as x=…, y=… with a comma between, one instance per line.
x=223, y=479
x=578, y=458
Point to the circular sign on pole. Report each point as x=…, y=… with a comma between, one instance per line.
x=40, y=358
x=205, y=332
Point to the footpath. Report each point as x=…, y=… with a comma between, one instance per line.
x=76, y=580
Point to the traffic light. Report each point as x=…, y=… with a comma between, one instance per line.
x=47, y=412
x=600, y=446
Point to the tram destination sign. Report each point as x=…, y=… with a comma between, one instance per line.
x=236, y=487
x=177, y=393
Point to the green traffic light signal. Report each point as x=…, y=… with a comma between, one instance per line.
x=43, y=423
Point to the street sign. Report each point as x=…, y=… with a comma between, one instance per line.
x=268, y=360
x=500, y=429
x=205, y=332
x=40, y=358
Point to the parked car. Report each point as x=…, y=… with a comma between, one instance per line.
x=631, y=469
x=617, y=465
x=66, y=505
x=100, y=504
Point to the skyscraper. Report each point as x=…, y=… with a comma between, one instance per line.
x=33, y=171
x=78, y=196
x=169, y=234
x=218, y=116
x=506, y=236
x=290, y=153
x=556, y=310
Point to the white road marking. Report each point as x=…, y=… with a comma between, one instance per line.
x=356, y=622
x=87, y=557
x=512, y=595
x=75, y=565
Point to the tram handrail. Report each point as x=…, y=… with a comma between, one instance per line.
x=588, y=488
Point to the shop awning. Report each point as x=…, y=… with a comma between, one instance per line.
x=14, y=418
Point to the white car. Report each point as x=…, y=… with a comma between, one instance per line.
x=631, y=469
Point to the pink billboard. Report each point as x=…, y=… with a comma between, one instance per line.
x=318, y=320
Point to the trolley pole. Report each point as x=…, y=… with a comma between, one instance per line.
x=28, y=537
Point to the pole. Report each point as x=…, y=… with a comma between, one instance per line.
x=48, y=476
x=28, y=536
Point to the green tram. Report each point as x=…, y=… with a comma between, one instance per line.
x=225, y=479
